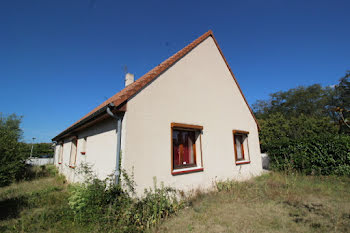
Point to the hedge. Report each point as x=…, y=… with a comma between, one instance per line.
x=319, y=155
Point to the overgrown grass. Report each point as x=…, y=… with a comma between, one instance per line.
x=49, y=204
x=273, y=202
x=34, y=206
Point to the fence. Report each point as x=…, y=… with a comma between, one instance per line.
x=40, y=161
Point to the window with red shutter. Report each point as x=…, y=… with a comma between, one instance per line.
x=186, y=154
x=184, y=148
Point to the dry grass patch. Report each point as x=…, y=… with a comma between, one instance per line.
x=271, y=203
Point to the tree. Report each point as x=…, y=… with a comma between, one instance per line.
x=12, y=154
x=342, y=102
x=304, y=128
x=313, y=100
x=41, y=149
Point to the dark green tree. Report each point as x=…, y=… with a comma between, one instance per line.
x=43, y=149
x=313, y=100
x=277, y=127
x=12, y=151
x=342, y=102
x=305, y=128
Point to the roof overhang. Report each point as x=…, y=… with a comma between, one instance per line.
x=92, y=119
x=120, y=99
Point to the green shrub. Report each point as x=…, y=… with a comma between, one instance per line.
x=311, y=145
x=31, y=172
x=277, y=128
x=12, y=154
x=51, y=170
x=320, y=155
x=225, y=185
x=158, y=203
x=103, y=201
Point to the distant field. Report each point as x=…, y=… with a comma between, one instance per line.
x=271, y=203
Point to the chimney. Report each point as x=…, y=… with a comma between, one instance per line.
x=129, y=78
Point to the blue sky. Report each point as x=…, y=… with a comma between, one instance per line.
x=60, y=59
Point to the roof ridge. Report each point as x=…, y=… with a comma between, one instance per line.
x=133, y=88
x=139, y=80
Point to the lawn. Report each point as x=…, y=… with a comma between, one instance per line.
x=273, y=202
x=33, y=206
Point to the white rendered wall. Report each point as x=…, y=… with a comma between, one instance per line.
x=199, y=90
x=100, y=151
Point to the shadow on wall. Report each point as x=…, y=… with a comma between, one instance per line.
x=101, y=127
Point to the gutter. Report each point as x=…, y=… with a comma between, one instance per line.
x=119, y=132
x=85, y=120
x=91, y=117
x=119, y=113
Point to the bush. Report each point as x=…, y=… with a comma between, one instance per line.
x=103, y=201
x=158, y=203
x=225, y=185
x=31, y=172
x=277, y=128
x=320, y=155
x=12, y=154
x=306, y=144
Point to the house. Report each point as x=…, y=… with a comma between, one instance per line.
x=185, y=122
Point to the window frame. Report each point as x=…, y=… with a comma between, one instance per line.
x=193, y=167
x=60, y=153
x=74, y=139
x=84, y=142
x=245, y=156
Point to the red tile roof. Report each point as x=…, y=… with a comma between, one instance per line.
x=137, y=86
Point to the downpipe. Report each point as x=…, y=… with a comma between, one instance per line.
x=119, y=132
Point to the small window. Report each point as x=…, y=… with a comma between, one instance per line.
x=73, y=152
x=186, y=147
x=60, y=153
x=83, y=149
x=240, y=142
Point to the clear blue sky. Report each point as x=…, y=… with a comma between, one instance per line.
x=61, y=58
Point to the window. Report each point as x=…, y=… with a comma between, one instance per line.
x=73, y=152
x=60, y=153
x=240, y=143
x=186, y=147
x=83, y=149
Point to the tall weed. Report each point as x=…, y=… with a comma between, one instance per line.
x=117, y=206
